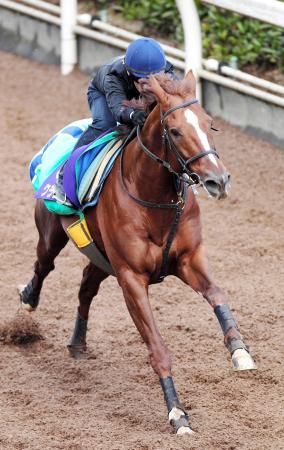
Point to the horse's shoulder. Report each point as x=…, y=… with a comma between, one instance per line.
x=191, y=208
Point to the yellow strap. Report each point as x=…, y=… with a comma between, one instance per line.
x=79, y=233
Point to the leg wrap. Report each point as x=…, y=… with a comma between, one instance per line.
x=78, y=338
x=170, y=394
x=225, y=317
x=234, y=344
x=172, y=401
x=227, y=321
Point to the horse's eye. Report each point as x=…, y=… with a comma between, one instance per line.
x=175, y=132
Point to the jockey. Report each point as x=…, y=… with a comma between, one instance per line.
x=116, y=82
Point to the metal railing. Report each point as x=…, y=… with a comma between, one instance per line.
x=270, y=11
x=73, y=24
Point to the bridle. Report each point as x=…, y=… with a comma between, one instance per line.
x=186, y=175
x=183, y=180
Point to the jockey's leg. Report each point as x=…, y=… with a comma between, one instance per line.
x=92, y=278
x=135, y=290
x=52, y=239
x=193, y=270
x=87, y=137
x=102, y=118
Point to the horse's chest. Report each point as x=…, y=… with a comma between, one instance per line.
x=158, y=239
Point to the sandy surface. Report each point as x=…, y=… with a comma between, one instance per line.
x=113, y=400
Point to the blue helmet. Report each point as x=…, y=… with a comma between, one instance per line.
x=145, y=56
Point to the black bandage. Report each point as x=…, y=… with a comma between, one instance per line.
x=170, y=394
x=225, y=317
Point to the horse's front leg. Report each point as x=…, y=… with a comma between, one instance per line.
x=193, y=269
x=135, y=290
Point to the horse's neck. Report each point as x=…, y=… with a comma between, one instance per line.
x=144, y=176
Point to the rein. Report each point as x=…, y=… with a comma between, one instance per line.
x=186, y=178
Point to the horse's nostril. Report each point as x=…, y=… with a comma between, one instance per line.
x=217, y=187
x=212, y=187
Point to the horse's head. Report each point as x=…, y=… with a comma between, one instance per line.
x=188, y=131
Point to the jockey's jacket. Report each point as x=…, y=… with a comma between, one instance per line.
x=113, y=81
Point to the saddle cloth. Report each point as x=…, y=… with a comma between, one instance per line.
x=79, y=174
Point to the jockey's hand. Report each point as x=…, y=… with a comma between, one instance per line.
x=138, y=117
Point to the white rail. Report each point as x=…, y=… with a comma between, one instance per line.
x=269, y=11
x=193, y=55
x=68, y=37
x=213, y=65
x=181, y=60
x=86, y=19
x=116, y=42
x=30, y=11
x=240, y=87
x=43, y=5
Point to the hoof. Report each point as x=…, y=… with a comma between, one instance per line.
x=27, y=307
x=78, y=352
x=29, y=300
x=179, y=420
x=24, y=304
x=242, y=360
x=184, y=430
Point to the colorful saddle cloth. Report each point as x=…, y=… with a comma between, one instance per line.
x=83, y=170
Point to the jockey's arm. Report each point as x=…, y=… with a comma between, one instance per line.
x=115, y=97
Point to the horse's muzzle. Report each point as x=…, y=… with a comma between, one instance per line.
x=217, y=186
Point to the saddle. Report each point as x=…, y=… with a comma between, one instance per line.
x=69, y=181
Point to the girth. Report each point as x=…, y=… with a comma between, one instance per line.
x=80, y=235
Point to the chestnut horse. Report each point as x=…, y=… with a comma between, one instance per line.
x=147, y=223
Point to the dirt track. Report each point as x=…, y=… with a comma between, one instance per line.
x=113, y=400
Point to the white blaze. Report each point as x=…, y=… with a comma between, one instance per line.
x=193, y=120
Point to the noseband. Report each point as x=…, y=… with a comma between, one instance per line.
x=187, y=176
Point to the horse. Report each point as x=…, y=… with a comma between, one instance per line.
x=147, y=224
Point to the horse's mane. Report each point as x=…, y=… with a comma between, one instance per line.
x=136, y=103
x=171, y=86
x=174, y=87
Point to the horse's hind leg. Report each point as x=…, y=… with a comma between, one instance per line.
x=52, y=239
x=92, y=278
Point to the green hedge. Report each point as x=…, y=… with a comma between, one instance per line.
x=225, y=34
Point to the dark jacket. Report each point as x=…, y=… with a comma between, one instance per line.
x=113, y=81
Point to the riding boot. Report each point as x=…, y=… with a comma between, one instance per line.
x=87, y=137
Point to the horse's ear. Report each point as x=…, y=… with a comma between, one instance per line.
x=190, y=78
x=153, y=86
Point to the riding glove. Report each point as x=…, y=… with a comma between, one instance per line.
x=131, y=116
x=138, y=117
